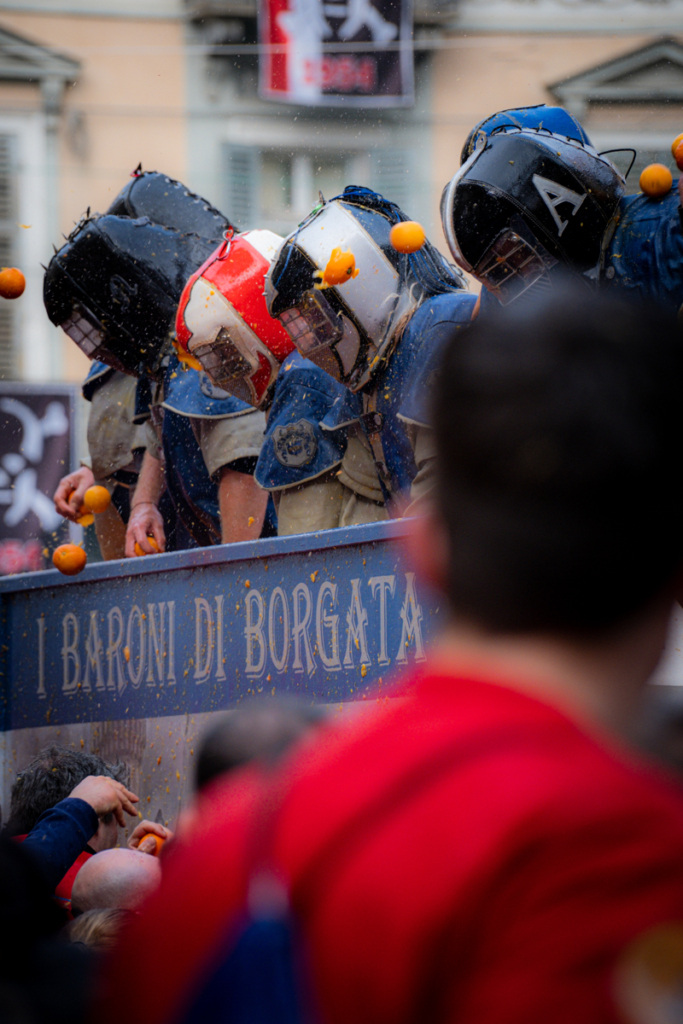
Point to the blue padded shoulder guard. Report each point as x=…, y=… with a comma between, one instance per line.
x=402, y=387
x=189, y=393
x=430, y=329
x=296, y=447
x=645, y=255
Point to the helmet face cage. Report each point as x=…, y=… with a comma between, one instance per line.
x=85, y=330
x=515, y=261
x=524, y=202
x=344, y=328
x=222, y=319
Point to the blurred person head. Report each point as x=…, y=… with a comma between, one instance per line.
x=115, y=879
x=98, y=929
x=558, y=502
x=51, y=777
x=260, y=729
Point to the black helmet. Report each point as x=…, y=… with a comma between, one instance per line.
x=523, y=202
x=168, y=202
x=115, y=285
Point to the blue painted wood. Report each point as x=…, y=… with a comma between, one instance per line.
x=324, y=615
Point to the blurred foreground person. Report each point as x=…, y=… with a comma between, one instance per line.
x=490, y=849
x=41, y=977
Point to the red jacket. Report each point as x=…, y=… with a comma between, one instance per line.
x=468, y=854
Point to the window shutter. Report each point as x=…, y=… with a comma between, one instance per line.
x=391, y=174
x=242, y=167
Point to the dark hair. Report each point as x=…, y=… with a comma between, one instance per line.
x=49, y=778
x=558, y=428
x=258, y=729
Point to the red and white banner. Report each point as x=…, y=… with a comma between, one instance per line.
x=342, y=53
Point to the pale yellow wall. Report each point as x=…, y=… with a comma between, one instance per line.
x=479, y=75
x=17, y=97
x=127, y=106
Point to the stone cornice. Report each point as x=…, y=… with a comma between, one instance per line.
x=633, y=17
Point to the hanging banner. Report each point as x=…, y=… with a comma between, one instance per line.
x=356, y=53
x=36, y=442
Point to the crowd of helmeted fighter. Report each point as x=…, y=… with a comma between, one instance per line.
x=245, y=385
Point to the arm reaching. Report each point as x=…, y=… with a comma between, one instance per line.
x=68, y=497
x=145, y=518
x=242, y=505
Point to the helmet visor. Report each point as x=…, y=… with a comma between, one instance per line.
x=86, y=332
x=512, y=264
x=312, y=324
x=223, y=360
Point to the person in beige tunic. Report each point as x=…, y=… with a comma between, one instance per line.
x=116, y=445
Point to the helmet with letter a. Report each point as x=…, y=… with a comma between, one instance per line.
x=343, y=292
x=222, y=320
x=527, y=200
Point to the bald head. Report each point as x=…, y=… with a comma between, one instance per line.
x=118, y=879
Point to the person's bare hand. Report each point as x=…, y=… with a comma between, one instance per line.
x=145, y=521
x=68, y=497
x=106, y=796
x=143, y=829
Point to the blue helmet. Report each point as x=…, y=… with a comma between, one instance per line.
x=541, y=117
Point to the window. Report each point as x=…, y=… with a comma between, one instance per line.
x=276, y=188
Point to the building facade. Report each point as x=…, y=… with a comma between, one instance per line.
x=617, y=65
x=88, y=89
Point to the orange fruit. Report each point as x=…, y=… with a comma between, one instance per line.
x=140, y=553
x=12, y=283
x=676, y=143
x=97, y=498
x=85, y=516
x=69, y=559
x=159, y=841
x=656, y=180
x=678, y=155
x=341, y=267
x=408, y=236
x=186, y=357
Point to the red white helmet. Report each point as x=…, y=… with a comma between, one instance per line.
x=222, y=319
